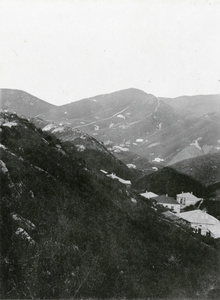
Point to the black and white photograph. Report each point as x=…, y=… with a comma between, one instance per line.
x=110, y=149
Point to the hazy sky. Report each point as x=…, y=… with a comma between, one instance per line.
x=65, y=50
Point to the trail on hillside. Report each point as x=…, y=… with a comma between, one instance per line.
x=94, y=122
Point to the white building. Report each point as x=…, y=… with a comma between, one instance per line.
x=187, y=199
x=202, y=222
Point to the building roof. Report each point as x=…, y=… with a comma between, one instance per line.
x=215, y=230
x=168, y=214
x=189, y=195
x=149, y=195
x=199, y=217
x=164, y=199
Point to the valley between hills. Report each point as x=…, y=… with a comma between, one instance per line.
x=73, y=221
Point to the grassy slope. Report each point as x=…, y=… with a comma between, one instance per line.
x=204, y=168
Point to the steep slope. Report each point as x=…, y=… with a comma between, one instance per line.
x=195, y=106
x=23, y=103
x=69, y=231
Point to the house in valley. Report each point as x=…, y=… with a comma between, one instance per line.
x=202, y=222
x=168, y=202
x=187, y=199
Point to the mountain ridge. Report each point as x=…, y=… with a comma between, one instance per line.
x=137, y=123
x=196, y=105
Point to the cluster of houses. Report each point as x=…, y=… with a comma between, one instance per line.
x=199, y=220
